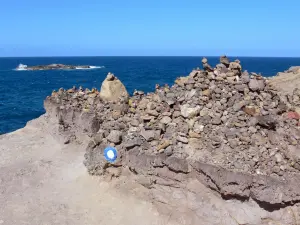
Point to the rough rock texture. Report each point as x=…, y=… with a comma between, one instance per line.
x=286, y=81
x=231, y=130
x=43, y=181
x=112, y=89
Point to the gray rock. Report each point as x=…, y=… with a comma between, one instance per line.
x=218, y=90
x=151, y=106
x=189, y=112
x=204, y=112
x=256, y=85
x=198, y=128
x=115, y=136
x=166, y=120
x=207, y=67
x=245, y=78
x=94, y=160
x=182, y=139
x=233, y=143
x=99, y=137
x=176, y=114
x=135, y=123
x=278, y=157
x=267, y=122
x=194, y=73
x=154, y=143
x=169, y=151
x=152, y=113
x=131, y=143
x=239, y=105
x=252, y=129
x=177, y=165
x=224, y=60
x=216, y=121
x=149, y=135
x=240, y=87
x=171, y=101
x=190, y=94
x=209, y=105
x=231, y=133
x=216, y=140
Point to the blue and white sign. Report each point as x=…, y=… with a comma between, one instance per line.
x=110, y=154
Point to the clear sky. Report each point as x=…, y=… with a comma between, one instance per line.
x=149, y=27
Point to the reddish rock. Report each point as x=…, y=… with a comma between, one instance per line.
x=293, y=115
x=250, y=110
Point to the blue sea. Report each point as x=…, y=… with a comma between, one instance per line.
x=23, y=92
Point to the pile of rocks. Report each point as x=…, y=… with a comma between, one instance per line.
x=222, y=125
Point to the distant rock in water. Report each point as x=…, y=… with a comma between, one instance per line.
x=55, y=67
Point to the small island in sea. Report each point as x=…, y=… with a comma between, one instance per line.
x=56, y=67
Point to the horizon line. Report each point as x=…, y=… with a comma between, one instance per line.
x=77, y=56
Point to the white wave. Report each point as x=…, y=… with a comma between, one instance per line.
x=90, y=68
x=21, y=67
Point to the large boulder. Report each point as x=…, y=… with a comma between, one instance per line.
x=113, y=89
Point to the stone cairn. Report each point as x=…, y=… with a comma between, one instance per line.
x=230, y=129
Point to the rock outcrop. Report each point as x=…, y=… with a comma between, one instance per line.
x=231, y=130
x=54, y=67
x=287, y=80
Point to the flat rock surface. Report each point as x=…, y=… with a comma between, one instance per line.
x=43, y=182
x=286, y=82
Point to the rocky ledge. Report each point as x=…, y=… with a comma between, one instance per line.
x=53, y=67
x=286, y=81
x=230, y=129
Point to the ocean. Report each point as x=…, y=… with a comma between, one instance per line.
x=23, y=92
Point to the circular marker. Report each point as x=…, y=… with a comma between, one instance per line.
x=110, y=154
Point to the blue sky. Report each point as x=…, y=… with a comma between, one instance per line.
x=149, y=27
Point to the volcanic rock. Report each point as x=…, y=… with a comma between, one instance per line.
x=256, y=85
x=225, y=61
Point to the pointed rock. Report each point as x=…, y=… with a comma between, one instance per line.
x=112, y=89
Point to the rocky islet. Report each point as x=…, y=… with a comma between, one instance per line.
x=54, y=67
x=230, y=129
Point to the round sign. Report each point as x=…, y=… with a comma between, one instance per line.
x=110, y=154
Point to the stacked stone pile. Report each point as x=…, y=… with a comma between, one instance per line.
x=219, y=117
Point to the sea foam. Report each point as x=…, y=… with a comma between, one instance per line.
x=77, y=68
x=91, y=68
